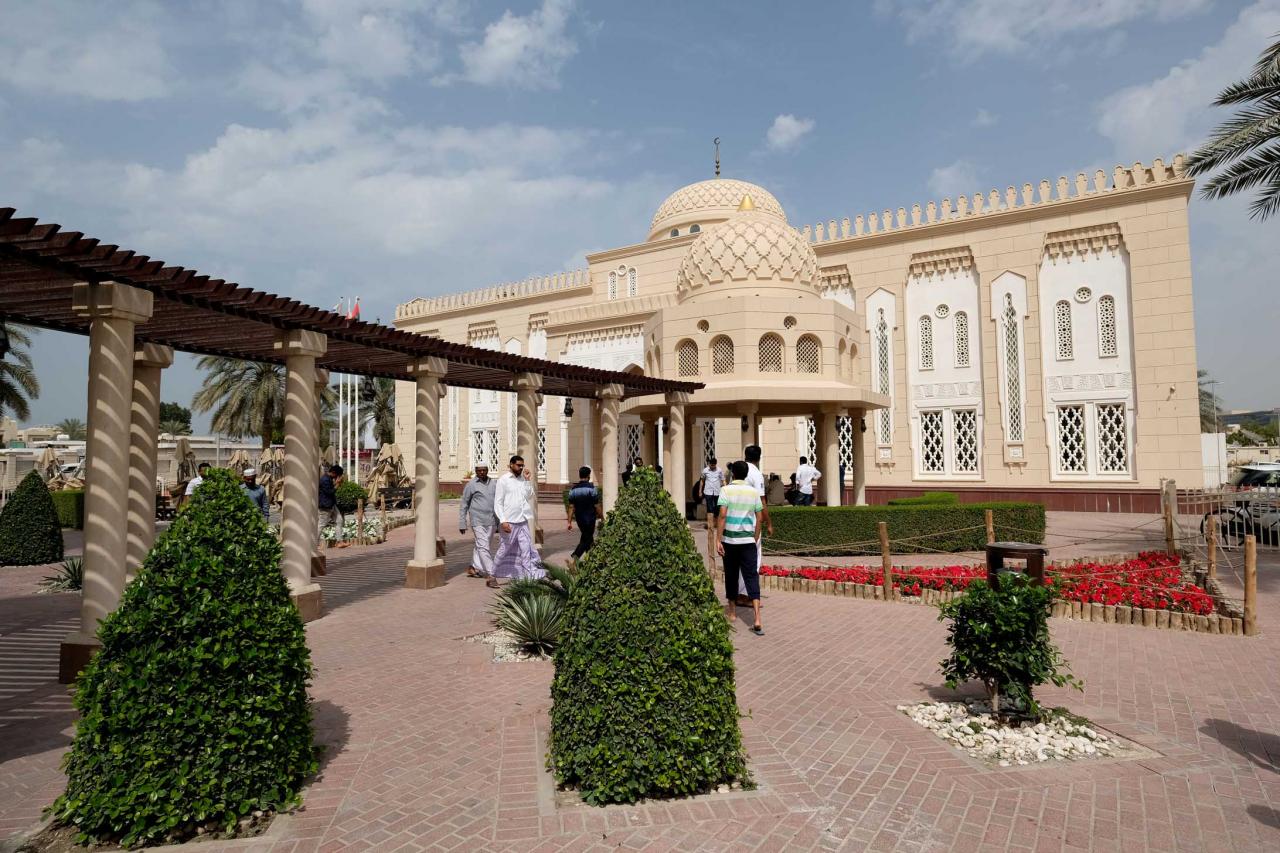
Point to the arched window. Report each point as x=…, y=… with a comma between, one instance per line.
x=633, y=286
x=842, y=364
x=771, y=354
x=694, y=229
x=1062, y=328
x=962, y=339
x=675, y=232
x=926, y=343
x=722, y=355
x=613, y=285
x=1107, y=326
x=1013, y=369
x=808, y=355
x=687, y=358
x=883, y=380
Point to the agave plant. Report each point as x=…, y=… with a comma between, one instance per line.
x=533, y=620
x=559, y=581
x=69, y=577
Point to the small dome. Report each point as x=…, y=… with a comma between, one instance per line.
x=750, y=249
x=708, y=202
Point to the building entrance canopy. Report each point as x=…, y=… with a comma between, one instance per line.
x=766, y=398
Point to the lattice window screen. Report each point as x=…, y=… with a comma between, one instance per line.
x=708, y=441
x=1072, y=453
x=687, y=358
x=1107, y=326
x=1013, y=370
x=933, y=452
x=632, y=284
x=771, y=354
x=926, y=343
x=492, y=451
x=1062, y=328
x=962, y=339
x=635, y=441
x=884, y=422
x=808, y=355
x=844, y=437
x=1113, y=439
x=722, y=355
x=964, y=429
x=811, y=439
x=613, y=285
x=541, y=463
x=477, y=448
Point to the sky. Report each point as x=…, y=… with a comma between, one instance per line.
x=391, y=149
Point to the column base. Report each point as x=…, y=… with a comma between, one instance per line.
x=424, y=575
x=319, y=564
x=309, y=600
x=74, y=654
x=440, y=547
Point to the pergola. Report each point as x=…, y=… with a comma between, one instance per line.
x=137, y=311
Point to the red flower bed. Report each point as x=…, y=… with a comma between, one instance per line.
x=1152, y=580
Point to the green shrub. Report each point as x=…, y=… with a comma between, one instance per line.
x=948, y=527
x=1001, y=638
x=349, y=495
x=927, y=499
x=534, y=621
x=29, y=530
x=643, y=700
x=194, y=713
x=69, y=505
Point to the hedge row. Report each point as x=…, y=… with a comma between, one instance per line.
x=70, y=507
x=929, y=527
x=928, y=498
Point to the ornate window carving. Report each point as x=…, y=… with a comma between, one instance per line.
x=722, y=355
x=635, y=442
x=1107, y=345
x=477, y=448
x=1062, y=329
x=932, y=443
x=962, y=339
x=633, y=284
x=1072, y=449
x=492, y=452
x=808, y=355
x=1013, y=369
x=687, y=358
x=926, y=343
x=965, y=439
x=770, y=354
x=884, y=383
x=708, y=440
x=613, y=285
x=541, y=461
x=844, y=438
x=1113, y=439
x=811, y=439
x=949, y=442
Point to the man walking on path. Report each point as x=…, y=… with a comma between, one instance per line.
x=476, y=509
x=583, y=507
x=513, y=504
x=710, y=483
x=257, y=494
x=737, y=537
x=194, y=482
x=806, y=476
x=756, y=480
x=329, y=512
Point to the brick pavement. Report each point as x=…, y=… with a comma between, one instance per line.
x=430, y=745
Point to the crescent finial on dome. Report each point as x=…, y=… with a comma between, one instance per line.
x=747, y=203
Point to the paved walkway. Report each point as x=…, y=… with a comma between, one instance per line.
x=430, y=745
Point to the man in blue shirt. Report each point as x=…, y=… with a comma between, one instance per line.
x=257, y=494
x=584, y=502
x=329, y=512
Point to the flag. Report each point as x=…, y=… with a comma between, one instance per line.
x=337, y=306
x=355, y=310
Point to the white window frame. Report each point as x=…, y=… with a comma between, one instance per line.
x=1064, y=340
x=883, y=305
x=1010, y=289
x=1092, y=472
x=948, y=411
x=1102, y=327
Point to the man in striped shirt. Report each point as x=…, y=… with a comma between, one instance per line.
x=737, y=533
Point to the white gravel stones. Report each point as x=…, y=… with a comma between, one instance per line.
x=505, y=648
x=969, y=726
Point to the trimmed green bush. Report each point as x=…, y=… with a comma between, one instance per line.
x=927, y=499
x=349, y=494
x=1001, y=637
x=29, y=530
x=195, y=712
x=69, y=505
x=830, y=530
x=643, y=700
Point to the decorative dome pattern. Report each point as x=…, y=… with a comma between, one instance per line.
x=751, y=247
x=711, y=201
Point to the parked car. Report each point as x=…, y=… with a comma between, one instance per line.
x=1251, y=506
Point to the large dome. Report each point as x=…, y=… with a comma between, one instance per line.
x=752, y=248
x=708, y=202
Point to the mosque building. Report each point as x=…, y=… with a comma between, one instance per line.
x=1032, y=343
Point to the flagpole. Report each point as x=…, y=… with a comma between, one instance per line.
x=355, y=386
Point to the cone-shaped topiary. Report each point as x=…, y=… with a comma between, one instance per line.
x=29, y=530
x=195, y=710
x=643, y=696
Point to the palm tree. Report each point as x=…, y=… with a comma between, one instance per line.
x=175, y=427
x=1210, y=405
x=246, y=397
x=18, y=383
x=378, y=408
x=73, y=428
x=1251, y=138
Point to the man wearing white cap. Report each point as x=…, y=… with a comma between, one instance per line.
x=257, y=494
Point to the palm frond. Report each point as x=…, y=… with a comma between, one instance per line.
x=1245, y=173
x=1249, y=129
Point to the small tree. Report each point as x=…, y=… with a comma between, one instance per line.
x=1001, y=638
x=349, y=493
x=194, y=713
x=643, y=700
x=29, y=530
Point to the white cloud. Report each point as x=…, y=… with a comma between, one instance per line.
x=106, y=52
x=984, y=119
x=978, y=27
x=1172, y=113
x=526, y=51
x=786, y=131
x=954, y=180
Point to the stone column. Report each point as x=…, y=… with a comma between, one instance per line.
x=649, y=440
x=610, y=400
x=528, y=398
x=676, y=461
x=426, y=569
x=597, y=440
x=829, y=448
x=114, y=310
x=857, y=422
x=300, y=515
x=750, y=412
x=144, y=431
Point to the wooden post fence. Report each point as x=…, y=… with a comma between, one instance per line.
x=382, y=510
x=1170, y=505
x=886, y=560
x=360, y=522
x=991, y=525
x=1250, y=586
x=1211, y=544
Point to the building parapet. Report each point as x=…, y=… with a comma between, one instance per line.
x=1122, y=180
x=529, y=287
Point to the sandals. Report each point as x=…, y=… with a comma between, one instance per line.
x=472, y=573
x=757, y=630
x=492, y=584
